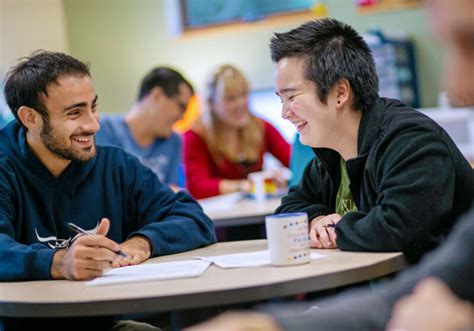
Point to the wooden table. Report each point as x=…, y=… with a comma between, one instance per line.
x=60, y=298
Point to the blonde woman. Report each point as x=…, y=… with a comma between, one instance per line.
x=228, y=142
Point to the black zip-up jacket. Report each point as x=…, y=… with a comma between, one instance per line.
x=409, y=182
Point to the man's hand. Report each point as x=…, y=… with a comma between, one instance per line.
x=431, y=306
x=322, y=233
x=237, y=321
x=137, y=249
x=87, y=257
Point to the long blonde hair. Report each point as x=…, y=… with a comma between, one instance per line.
x=227, y=79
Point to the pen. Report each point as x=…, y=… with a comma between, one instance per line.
x=329, y=226
x=80, y=230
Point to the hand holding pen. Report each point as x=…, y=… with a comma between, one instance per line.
x=322, y=232
x=138, y=247
x=78, y=229
x=88, y=256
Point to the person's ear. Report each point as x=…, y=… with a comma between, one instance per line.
x=342, y=91
x=30, y=118
x=156, y=93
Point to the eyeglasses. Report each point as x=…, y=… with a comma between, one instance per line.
x=182, y=105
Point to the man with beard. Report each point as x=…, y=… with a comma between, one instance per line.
x=51, y=173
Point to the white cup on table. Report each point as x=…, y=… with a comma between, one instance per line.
x=288, y=238
x=258, y=185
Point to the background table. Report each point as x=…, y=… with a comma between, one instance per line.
x=233, y=210
x=215, y=287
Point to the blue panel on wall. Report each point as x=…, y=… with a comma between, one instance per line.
x=200, y=13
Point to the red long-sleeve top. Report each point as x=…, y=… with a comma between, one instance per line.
x=203, y=174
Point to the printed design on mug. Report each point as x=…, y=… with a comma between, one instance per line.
x=288, y=238
x=298, y=236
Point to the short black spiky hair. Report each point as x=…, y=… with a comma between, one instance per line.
x=29, y=79
x=332, y=51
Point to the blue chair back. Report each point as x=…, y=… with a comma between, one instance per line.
x=300, y=157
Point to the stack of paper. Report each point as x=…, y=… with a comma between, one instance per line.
x=152, y=271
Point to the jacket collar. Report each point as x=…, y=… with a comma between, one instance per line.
x=368, y=132
x=369, y=128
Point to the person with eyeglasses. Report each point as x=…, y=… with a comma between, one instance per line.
x=146, y=130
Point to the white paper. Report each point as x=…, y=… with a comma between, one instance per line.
x=240, y=260
x=316, y=256
x=220, y=202
x=152, y=271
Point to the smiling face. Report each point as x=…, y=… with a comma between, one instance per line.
x=69, y=132
x=314, y=120
x=230, y=101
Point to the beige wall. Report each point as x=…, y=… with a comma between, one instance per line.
x=26, y=25
x=1, y=36
x=123, y=39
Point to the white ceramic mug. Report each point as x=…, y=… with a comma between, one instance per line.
x=288, y=238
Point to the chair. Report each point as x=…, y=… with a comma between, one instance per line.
x=300, y=157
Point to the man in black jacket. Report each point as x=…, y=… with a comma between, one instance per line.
x=370, y=186
x=451, y=264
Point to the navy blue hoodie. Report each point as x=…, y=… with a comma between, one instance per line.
x=35, y=207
